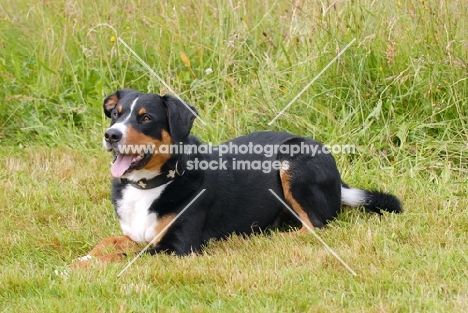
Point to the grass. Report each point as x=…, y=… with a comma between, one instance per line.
x=399, y=93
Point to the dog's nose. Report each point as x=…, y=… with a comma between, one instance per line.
x=113, y=135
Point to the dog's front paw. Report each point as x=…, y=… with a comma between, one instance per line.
x=86, y=260
x=82, y=262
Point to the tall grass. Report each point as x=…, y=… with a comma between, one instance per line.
x=399, y=93
x=402, y=83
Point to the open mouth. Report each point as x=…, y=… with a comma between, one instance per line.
x=125, y=163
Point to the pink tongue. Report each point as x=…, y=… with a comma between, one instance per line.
x=121, y=164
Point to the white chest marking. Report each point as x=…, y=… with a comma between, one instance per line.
x=135, y=219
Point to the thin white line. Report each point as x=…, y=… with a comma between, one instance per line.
x=315, y=234
x=159, y=234
x=311, y=82
x=131, y=110
x=159, y=78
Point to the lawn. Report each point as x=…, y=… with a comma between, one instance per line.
x=395, y=87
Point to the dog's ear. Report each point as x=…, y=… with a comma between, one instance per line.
x=180, y=116
x=111, y=101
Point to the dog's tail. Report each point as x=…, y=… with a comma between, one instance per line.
x=372, y=201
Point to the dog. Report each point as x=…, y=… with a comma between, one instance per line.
x=180, y=200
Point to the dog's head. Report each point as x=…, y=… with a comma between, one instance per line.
x=140, y=124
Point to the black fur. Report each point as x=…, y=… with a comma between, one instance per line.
x=235, y=201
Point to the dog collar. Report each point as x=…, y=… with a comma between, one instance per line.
x=154, y=182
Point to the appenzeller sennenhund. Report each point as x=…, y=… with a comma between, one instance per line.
x=152, y=186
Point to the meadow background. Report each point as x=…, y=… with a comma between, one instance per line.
x=399, y=93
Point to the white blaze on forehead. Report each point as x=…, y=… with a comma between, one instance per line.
x=132, y=106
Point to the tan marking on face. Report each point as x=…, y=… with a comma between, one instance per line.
x=157, y=159
x=119, y=109
x=286, y=184
x=111, y=102
x=142, y=111
x=161, y=225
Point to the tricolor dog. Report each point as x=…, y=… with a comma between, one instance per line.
x=216, y=194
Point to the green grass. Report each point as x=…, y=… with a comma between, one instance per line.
x=399, y=93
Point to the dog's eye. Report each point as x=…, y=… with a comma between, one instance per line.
x=116, y=114
x=146, y=119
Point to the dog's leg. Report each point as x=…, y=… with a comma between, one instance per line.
x=102, y=251
x=86, y=260
x=312, y=189
x=181, y=238
x=118, y=244
x=285, y=177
